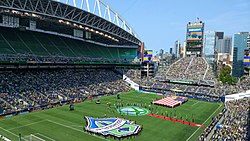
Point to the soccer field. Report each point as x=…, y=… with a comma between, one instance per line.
x=60, y=124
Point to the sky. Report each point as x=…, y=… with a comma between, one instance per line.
x=159, y=23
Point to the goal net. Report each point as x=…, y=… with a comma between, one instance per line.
x=32, y=137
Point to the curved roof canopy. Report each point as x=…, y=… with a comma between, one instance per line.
x=100, y=16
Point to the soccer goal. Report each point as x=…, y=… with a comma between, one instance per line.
x=32, y=137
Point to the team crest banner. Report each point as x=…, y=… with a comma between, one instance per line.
x=112, y=126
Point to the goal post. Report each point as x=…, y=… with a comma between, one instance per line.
x=35, y=138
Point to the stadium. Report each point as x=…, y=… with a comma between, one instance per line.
x=74, y=71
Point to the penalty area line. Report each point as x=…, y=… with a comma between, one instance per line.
x=44, y=136
x=12, y=133
x=195, y=103
x=204, y=123
x=75, y=129
x=26, y=125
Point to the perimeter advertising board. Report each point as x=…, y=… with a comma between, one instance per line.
x=246, y=60
x=148, y=56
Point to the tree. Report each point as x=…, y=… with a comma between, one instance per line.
x=226, y=77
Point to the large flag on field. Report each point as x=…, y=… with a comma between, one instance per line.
x=171, y=101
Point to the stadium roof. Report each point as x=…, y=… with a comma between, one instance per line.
x=101, y=17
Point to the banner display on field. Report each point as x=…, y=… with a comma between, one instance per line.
x=112, y=126
x=131, y=83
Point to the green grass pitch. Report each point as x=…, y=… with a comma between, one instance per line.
x=60, y=124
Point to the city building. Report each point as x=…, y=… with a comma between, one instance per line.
x=220, y=35
x=161, y=52
x=194, y=38
x=184, y=48
x=209, y=46
x=227, y=45
x=171, y=50
x=248, y=41
x=219, y=42
x=240, y=45
x=224, y=45
x=177, y=49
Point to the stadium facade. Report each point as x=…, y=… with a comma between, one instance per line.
x=47, y=28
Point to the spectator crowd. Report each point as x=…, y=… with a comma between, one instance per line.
x=31, y=88
x=235, y=126
x=29, y=58
x=188, y=68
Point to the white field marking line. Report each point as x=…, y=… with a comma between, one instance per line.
x=44, y=136
x=196, y=103
x=76, y=126
x=26, y=125
x=12, y=133
x=203, y=123
x=75, y=129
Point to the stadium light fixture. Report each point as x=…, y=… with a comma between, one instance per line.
x=15, y=12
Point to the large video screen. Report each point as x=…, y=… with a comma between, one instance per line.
x=246, y=57
x=193, y=29
x=194, y=34
x=194, y=44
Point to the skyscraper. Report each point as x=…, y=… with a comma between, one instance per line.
x=219, y=42
x=171, y=50
x=227, y=45
x=177, y=48
x=248, y=41
x=209, y=46
x=161, y=53
x=240, y=44
x=220, y=35
x=194, y=38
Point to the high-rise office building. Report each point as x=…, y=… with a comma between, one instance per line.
x=227, y=45
x=219, y=45
x=248, y=41
x=177, y=49
x=224, y=45
x=161, y=52
x=194, y=38
x=209, y=46
x=184, y=48
x=219, y=42
x=220, y=35
x=240, y=45
x=171, y=50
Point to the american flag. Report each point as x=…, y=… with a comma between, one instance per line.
x=169, y=102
